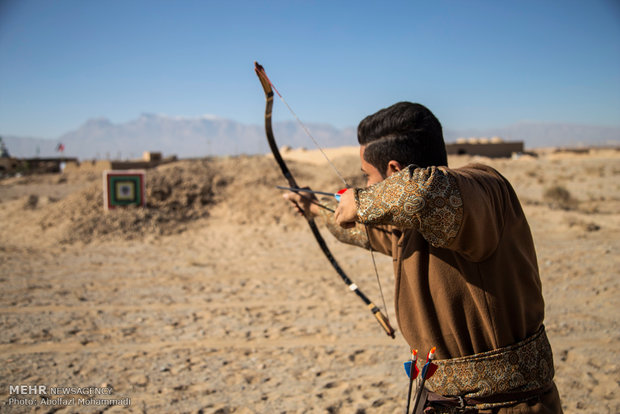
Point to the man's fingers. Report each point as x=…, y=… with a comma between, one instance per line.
x=294, y=202
x=300, y=202
x=346, y=213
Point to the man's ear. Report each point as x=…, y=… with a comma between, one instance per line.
x=393, y=167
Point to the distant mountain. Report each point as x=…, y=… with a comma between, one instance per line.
x=211, y=135
x=184, y=137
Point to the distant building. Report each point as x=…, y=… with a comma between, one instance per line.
x=487, y=147
x=149, y=159
x=10, y=165
x=150, y=156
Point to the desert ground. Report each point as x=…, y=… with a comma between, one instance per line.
x=216, y=299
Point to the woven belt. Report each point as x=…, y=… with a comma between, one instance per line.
x=497, y=378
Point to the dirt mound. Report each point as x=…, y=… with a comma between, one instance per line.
x=239, y=190
x=246, y=190
x=176, y=194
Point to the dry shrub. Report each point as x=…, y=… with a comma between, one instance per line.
x=575, y=222
x=31, y=202
x=558, y=196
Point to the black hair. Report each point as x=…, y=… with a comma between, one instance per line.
x=405, y=132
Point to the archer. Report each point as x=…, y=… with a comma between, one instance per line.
x=465, y=265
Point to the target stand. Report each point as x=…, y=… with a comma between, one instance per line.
x=123, y=188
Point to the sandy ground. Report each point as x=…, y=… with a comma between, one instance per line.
x=216, y=299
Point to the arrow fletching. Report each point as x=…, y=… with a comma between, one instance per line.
x=339, y=193
x=429, y=368
x=412, y=364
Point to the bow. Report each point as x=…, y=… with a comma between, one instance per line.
x=267, y=87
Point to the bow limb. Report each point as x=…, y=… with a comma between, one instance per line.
x=266, y=83
x=267, y=87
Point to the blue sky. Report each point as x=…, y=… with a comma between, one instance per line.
x=473, y=63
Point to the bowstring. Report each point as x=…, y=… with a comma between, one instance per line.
x=307, y=131
x=374, y=264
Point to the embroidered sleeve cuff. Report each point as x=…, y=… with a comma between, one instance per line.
x=356, y=236
x=425, y=199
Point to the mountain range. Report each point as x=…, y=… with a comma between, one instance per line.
x=99, y=138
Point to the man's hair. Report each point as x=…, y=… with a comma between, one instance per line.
x=405, y=132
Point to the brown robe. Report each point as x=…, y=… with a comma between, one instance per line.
x=465, y=265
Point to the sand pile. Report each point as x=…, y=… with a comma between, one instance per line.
x=241, y=189
x=176, y=195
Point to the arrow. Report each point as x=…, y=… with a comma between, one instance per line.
x=412, y=371
x=306, y=190
x=429, y=368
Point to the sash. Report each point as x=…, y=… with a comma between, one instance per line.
x=512, y=372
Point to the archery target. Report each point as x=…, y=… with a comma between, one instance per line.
x=124, y=188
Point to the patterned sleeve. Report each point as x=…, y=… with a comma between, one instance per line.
x=425, y=199
x=356, y=236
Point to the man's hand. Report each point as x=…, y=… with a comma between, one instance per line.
x=303, y=203
x=346, y=213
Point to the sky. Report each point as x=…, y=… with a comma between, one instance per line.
x=475, y=64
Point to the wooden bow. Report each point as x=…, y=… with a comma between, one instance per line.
x=267, y=87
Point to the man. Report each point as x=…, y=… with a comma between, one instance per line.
x=465, y=265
